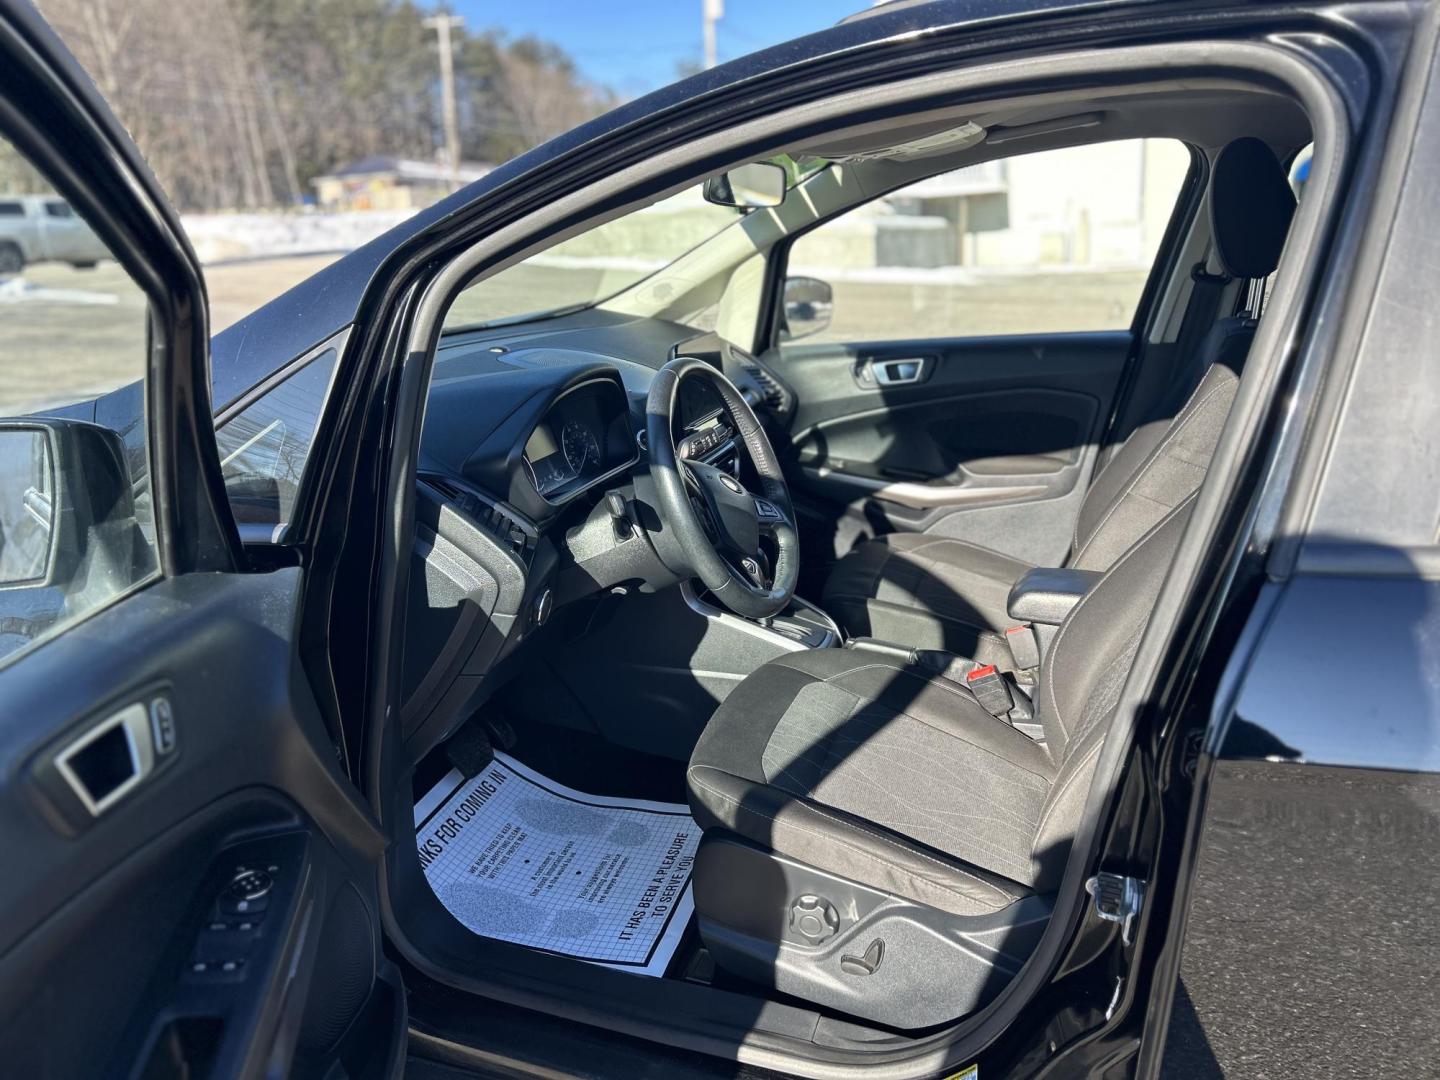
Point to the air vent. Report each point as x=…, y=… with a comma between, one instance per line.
x=499, y=521
x=773, y=392
x=509, y=530
x=444, y=487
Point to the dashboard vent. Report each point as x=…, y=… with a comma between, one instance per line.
x=498, y=520
x=773, y=393
x=444, y=487
x=507, y=529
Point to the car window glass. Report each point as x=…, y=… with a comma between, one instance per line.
x=263, y=448
x=76, y=529
x=1060, y=240
x=595, y=265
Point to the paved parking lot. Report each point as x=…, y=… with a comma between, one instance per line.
x=67, y=334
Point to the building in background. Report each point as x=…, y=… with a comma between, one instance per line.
x=1102, y=206
x=392, y=183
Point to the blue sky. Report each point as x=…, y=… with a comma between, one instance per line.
x=635, y=46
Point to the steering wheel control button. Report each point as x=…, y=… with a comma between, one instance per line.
x=814, y=918
x=767, y=510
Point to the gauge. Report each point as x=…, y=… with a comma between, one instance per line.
x=580, y=446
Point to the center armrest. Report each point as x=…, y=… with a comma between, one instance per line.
x=1046, y=594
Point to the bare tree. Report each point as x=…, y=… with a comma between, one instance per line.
x=240, y=103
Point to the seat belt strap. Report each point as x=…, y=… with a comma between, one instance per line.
x=1201, y=308
x=1205, y=292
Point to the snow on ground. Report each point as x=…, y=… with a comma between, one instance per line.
x=223, y=238
x=220, y=238
x=15, y=290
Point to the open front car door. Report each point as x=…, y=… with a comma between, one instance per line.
x=189, y=887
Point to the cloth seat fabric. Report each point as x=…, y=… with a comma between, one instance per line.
x=928, y=592
x=850, y=761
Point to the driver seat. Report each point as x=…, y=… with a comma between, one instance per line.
x=876, y=841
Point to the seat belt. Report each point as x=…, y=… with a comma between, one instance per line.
x=1206, y=290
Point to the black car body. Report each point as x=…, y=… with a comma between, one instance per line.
x=1256, y=852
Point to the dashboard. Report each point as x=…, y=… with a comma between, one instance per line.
x=581, y=438
x=521, y=437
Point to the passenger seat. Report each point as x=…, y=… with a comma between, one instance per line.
x=933, y=592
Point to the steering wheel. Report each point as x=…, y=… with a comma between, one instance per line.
x=716, y=522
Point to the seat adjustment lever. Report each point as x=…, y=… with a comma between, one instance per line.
x=1117, y=899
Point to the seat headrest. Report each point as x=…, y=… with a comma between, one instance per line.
x=1251, y=205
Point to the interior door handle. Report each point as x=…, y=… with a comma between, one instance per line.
x=109, y=760
x=910, y=369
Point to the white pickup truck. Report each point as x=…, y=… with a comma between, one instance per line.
x=44, y=228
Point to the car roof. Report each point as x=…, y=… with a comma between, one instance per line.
x=889, y=7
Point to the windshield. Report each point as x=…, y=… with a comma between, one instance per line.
x=594, y=266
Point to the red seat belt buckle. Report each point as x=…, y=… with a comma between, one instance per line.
x=990, y=690
x=1024, y=649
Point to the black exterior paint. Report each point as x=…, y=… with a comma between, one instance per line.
x=1066, y=1026
x=1280, y=834
x=1311, y=925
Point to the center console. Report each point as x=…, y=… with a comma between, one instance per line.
x=801, y=625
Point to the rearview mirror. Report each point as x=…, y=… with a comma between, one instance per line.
x=748, y=187
x=65, y=500
x=809, y=303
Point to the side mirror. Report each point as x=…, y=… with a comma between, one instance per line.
x=809, y=303
x=27, y=506
x=749, y=187
x=64, y=497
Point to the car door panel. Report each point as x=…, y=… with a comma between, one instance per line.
x=130, y=900
x=192, y=887
x=1004, y=422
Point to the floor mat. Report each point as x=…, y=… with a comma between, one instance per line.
x=515, y=856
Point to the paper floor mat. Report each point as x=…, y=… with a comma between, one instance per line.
x=515, y=856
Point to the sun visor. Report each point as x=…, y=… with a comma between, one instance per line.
x=944, y=142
